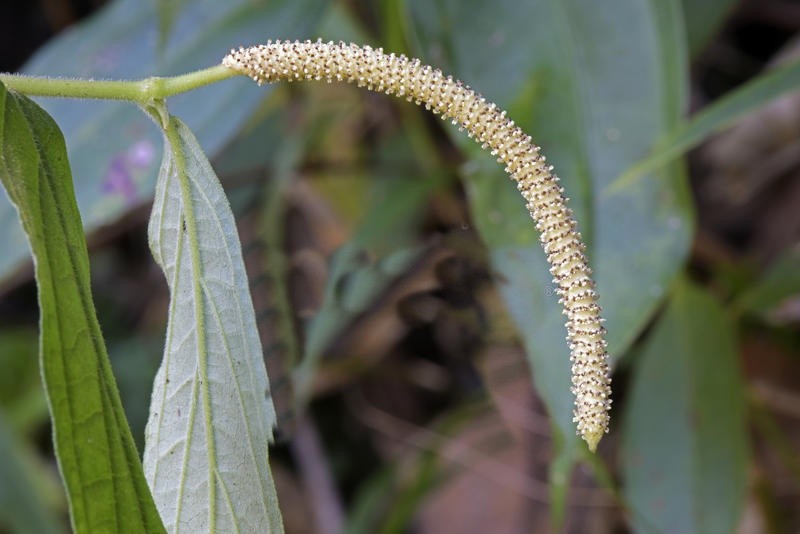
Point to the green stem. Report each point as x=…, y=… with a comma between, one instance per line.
x=139, y=91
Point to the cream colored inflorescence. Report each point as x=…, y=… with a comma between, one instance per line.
x=484, y=121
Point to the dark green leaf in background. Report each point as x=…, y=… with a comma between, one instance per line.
x=21, y=394
x=595, y=89
x=97, y=457
x=685, y=442
x=703, y=18
x=168, y=11
x=113, y=148
x=686, y=135
x=22, y=506
x=135, y=361
x=779, y=285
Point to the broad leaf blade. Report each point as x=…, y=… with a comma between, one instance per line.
x=685, y=441
x=211, y=416
x=96, y=454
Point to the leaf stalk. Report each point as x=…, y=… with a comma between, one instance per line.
x=143, y=91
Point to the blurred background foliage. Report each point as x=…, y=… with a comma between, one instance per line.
x=414, y=344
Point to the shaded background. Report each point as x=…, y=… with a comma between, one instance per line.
x=398, y=284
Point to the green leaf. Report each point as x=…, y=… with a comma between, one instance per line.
x=211, y=415
x=373, y=498
x=257, y=144
x=685, y=441
x=778, y=285
x=712, y=119
x=703, y=19
x=22, y=507
x=114, y=150
x=21, y=394
x=559, y=481
x=595, y=89
x=167, y=13
x=339, y=24
x=96, y=454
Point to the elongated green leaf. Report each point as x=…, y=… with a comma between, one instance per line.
x=703, y=19
x=22, y=507
x=96, y=454
x=778, y=285
x=211, y=415
x=116, y=173
x=595, y=89
x=167, y=13
x=685, y=443
x=21, y=394
x=719, y=115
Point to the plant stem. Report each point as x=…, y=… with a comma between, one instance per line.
x=140, y=91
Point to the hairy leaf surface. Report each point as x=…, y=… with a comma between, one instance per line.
x=96, y=454
x=211, y=415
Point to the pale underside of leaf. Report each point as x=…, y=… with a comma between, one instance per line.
x=211, y=415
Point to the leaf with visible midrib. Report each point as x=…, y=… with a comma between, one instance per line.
x=211, y=416
x=96, y=454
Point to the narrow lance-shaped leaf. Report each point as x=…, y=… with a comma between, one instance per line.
x=685, y=441
x=211, y=415
x=716, y=117
x=771, y=296
x=703, y=20
x=96, y=454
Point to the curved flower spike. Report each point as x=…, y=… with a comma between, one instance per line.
x=484, y=121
